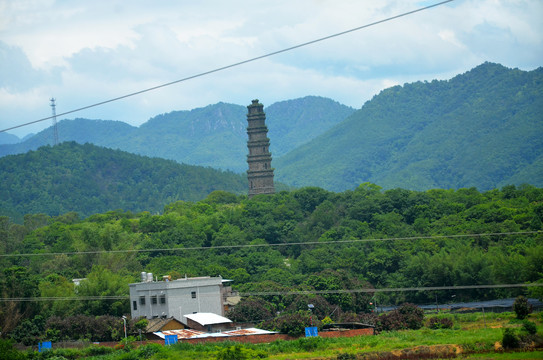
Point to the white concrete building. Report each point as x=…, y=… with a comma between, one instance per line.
x=177, y=298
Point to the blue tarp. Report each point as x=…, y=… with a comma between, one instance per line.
x=311, y=331
x=46, y=345
x=170, y=339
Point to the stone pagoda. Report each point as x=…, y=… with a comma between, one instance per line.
x=260, y=173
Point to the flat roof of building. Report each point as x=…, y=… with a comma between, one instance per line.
x=207, y=318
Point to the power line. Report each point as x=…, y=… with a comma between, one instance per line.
x=371, y=290
x=272, y=245
x=285, y=293
x=236, y=64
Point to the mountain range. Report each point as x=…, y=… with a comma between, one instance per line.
x=213, y=136
x=482, y=129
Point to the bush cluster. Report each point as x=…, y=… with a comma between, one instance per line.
x=510, y=339
x=406, y=316
x=440, y=323
x=239, y=352
x=82, y=327
x=293, y=324
x=524, y=337
x=521, y=307
x=529, y=327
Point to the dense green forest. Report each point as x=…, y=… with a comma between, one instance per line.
x=480, y=129
x=88, y=179
x=308, y=239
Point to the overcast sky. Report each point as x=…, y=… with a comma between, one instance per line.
x=82, y=52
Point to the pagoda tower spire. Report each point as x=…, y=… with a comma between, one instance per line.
x=260, y=173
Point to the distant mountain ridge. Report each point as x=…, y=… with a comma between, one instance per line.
x=6, y=138
x=480, y=129
x=213, y=136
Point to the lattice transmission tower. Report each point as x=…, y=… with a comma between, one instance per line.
x=55, y=130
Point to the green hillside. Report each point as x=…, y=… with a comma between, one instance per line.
x=6, y=138
x=88, y=179
x=99, y=132
x=292, y=123
x=213, y=136
x=480, y=129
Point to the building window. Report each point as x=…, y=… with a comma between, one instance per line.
x=163, y=299
x=154, y=300
x=135, y=305
x=193, y=294
x=142, y=300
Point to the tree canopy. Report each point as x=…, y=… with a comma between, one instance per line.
x=280, y=246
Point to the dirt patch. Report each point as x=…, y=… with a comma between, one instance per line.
x=418, y=352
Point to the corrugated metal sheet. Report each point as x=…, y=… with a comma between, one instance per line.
x=193, y=334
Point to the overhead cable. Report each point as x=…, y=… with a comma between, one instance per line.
x=286, y=293
x=348, y=241
x=233, y=65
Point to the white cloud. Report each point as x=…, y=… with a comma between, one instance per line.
x=84, y=52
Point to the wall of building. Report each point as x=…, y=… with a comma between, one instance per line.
x=176, y=298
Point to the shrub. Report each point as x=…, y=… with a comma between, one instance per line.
x=82, y=327
x=529, y=327
x=291, y=324
x=8, y=352
x=147, y=351
x=141, y=324
x=346, y=356
x=310, y=344
x=97, y=350
x=66, y=353
x=239, y=352
x=407, y=316
x=413, y=315
x=251, y=310
x=440, y=323
x=521, y=307
x=327, y=321
x=321, y=307
x=391, y=321
x=510, y=339
x=364, y=318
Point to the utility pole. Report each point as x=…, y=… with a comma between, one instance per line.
x=55, y=131
x=124, y=321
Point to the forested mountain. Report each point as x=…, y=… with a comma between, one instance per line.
x=6, y=138
x=483, y=128
x=99, y=132
x=88, y=179
x=292, y=123
x=211, y=136
x=361, y=239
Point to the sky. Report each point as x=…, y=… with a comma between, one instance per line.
x=84, y=52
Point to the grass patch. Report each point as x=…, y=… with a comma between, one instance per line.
x=505, y=356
